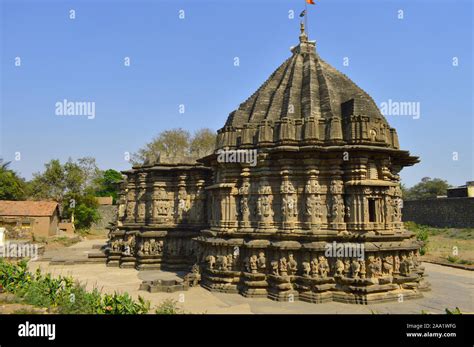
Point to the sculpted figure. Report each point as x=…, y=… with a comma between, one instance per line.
x=396, y=264
x=253, y=264
x=411, y=259
x=372, y=267
x=314, y=267
x=387, y=267
x=355, y=268
x=283, y=267
x=274, y=265
x=405, y=266
x=211, y=261
x=262, y=262
x=222, y=262
x=347, y=267
x=378, y=267
x=146, y=248
x=323, y=267
x=339, y=267
x=230, y=261
x=292, y=264
x=306, y=269
x=152, y=246
x=362, y=268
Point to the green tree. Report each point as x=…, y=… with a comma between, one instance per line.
x=176, y=145
x=12, y=187
x=72, y=185
x=427, y=189
x=109, y=184
x=82, y=208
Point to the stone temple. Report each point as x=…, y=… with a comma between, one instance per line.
x=316, y=217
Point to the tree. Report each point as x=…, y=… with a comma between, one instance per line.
x=203, y=142
x=176, y=145
x=82, y=208
x=72, y=185
x=427, y=189
x=109, y=184
x=12, y=187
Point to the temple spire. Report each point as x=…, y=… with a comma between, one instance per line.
x=303, y=36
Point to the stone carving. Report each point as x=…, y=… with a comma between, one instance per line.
x=339, y=268
x=222, y=263
x=288, y=207
x=252, y=264
x=274, y=264
x=283, y=266
x=306, y=269
x=261, y=262
x=313, y=209
x=323, y=267
x=387, y=267
x=405, y=266
x=151, y=247
x=192, y=279
x=264, y=207
x=396, y=264
x=292, y=265
x=211, y=261
x=355, y=268
x=313, y=183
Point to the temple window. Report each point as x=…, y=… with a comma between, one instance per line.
x=372, y=211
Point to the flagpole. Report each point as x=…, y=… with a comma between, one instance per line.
x=306, y=17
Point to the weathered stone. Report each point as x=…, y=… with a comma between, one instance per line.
x=325, y=184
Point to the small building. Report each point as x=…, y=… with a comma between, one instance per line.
x=36, y=217
x=465, y=191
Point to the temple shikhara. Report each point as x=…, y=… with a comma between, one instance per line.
x=318, y=218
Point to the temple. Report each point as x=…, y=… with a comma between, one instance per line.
x=316, y=217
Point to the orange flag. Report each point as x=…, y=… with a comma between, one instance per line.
x=311, y=2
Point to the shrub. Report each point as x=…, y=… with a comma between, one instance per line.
x=168, y=306
x=62, y=294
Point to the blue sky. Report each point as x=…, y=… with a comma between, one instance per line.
x=190, y=61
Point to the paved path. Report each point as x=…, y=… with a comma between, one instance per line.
x=450, y=288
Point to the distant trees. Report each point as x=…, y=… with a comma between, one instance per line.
x=75, y=186
x=428, y=188
x=108, y=183
x=12, y=187
x=176, y=145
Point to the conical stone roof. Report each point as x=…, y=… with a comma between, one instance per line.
x=306, y=101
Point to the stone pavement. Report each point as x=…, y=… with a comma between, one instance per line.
x=450, y=288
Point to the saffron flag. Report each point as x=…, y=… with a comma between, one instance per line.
x=311, y=2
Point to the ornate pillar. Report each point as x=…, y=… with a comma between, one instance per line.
x=244, y=200
x=313, y=207
x=336, y=209
x=264, y=204
x=289, y=209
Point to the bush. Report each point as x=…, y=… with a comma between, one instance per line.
x=422, y=232
x=168, y=306
x=64, y=295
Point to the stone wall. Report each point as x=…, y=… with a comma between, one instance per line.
x=108, y=213
x=442, y=212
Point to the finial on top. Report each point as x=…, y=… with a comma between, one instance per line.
x=303, y=36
